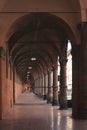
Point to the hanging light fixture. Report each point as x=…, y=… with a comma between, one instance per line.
x=33, y=58
x=28, y=72
x=30, y=67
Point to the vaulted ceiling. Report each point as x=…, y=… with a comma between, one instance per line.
x=37, y=29
x=40, y=36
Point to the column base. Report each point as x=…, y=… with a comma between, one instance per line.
x=63, y=102
x=63, y=108
x=69, y=103
x=13, y=101
x=0, y=115
x=80, y=115
x=49, y=100
x=55, y=103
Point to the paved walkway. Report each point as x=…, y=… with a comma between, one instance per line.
x=32, y=113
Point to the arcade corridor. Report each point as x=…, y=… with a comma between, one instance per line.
x=34, y=37
x=32, y=113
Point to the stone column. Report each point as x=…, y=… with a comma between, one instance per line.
x=14, y=85
x=35, y=91
x=1, y=86
x=35, y=86
x=75, y=80
x=55, y=85
x=39, y=85
x=45, y=92
x=79, y=59
x=42, y=85
x=63, y=87
x=49, y=97
x=2, y=80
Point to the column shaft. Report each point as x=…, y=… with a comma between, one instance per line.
x=55, y=85
x=63, y=87
x=80, y=75
x=42, y=85
x=0, y=88
x=45, y=89
x=14, y=85
x=49, y=97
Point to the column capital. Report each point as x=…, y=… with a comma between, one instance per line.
x=2, y=52
x=45, y=73
x=63, y=60
x=49, y=70
x=81, y=25
x=55, y=66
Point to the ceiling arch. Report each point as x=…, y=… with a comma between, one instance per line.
x=37, y=35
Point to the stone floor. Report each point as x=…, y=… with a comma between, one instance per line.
x=32, y=113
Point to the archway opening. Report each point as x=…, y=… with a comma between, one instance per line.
x=69, y=74
x=37, y=36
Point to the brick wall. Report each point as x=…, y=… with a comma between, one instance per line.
x=6, y=89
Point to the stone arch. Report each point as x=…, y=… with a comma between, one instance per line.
x=40, y=22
